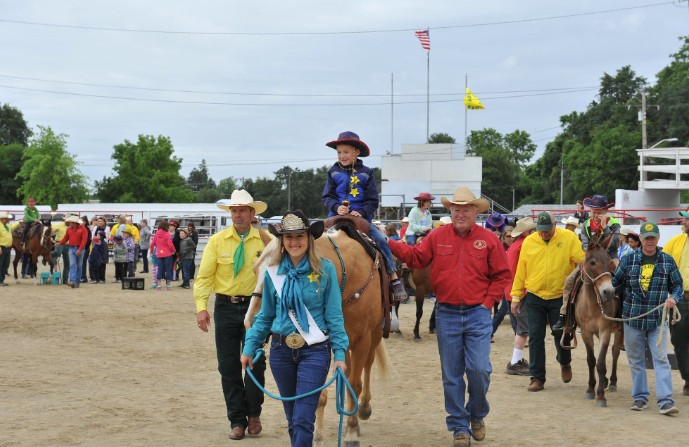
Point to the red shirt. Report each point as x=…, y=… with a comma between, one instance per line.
x=403, y=231
x=465, y=270
x=512, y=261
x=76, y=236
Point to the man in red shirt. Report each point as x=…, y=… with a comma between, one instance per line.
x=75, y=239
x=469, y=274
x=518, y=316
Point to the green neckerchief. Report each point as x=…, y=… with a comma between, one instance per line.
x=239, y=254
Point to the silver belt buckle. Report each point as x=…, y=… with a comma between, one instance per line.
x=294, y=341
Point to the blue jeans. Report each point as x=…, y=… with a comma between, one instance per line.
x=76, y=263
x=186, y=270
x=500, y=314
x=464, y=346
x=635, y=342
x=411, y=239
x=165, y=266
x=297, y=371
x=384, y=248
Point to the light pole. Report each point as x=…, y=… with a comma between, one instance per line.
x=666, y=140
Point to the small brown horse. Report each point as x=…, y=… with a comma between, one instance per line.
x=594, y=301
x=362, y=316
x=40, y=244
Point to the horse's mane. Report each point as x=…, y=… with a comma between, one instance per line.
x=350, y=231
x=596, y=242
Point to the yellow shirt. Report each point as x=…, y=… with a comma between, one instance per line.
x=59, y=229
x=5, y=236
x=132, y=228
x=216, y=273
x=543, y=268
x=677, y=247
x=135, y=233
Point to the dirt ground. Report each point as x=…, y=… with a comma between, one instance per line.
x=101, y=366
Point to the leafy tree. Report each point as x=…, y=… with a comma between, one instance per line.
x=671, y=94
x=226, y=186
x=13, y=127
x=49, y=172
x=205, y=190
x=11, y=157
x=145, y=171
x=440, y=138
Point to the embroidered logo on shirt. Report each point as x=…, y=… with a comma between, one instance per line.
x=559, y=244
x=480, y=244
x=313, y=277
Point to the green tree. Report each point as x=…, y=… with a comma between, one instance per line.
x=11, y=156
x=49, y=172
x=13, y=126
x=671, y=94
x=145, y=171
x=226, y=186
x=205, y=189
x=440, y=138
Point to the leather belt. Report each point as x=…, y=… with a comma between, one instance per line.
x=294, y=341
x=237, y=299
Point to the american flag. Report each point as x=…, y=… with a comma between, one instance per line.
x=425, y=39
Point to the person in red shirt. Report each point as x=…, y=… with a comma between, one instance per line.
x=75, y=238
x=405, y=226
x=469, y=273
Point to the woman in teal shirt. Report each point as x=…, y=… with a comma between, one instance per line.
x=302, y=308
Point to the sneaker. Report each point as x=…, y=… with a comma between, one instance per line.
x=639, y=405
x=461, y=440
x=398, y=290
x=186, y=287
x=521, y=368
x=93, y=282
x=478, y=430
x=559, y=324
x=668, y=409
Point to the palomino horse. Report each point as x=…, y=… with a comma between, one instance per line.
x=40, y=244
x=594, y=301
x=363, y=314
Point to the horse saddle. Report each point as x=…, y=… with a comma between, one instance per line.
x=19, y=231
x=359, y=223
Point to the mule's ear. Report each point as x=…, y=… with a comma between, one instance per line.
x=606, y=241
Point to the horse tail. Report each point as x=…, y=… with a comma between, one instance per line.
x=383, y=361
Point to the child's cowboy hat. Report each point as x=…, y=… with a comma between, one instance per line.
x=241, y=198
x=353, y=140
x=598, y=202
x=464, y=196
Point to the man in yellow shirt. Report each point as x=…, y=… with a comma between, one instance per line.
x=678, y=248
x=226, y=269
x=546, y=259
x=58, y=231
x=5, y=246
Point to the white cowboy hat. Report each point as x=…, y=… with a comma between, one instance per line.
x=405, y=219
x=5, y=215
x=524, y=224
x=444, y=220
x=241, y=197
x=464, y=196
x=72, y=219
x=571, y=220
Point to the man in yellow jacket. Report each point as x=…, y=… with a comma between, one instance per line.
x=5, y=245
x=547, y=258
x=678, y=248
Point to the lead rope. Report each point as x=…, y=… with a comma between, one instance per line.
x=342, y=385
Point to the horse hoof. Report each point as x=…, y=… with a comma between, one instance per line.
x=589, y=396
x=352, y=444
x=612, y=388
x=602, y=403
x=418, y=339
x=365, y=413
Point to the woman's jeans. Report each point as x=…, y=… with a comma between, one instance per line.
x=144, y=258
x=165, y=266
x=298, y=371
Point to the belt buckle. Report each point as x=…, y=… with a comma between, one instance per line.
x=294, y=341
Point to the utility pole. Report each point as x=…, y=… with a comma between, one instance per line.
x=644, y=140
x=289, y=189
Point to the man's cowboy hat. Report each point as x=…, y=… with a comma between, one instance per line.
x=241, y=198
x=571, y=220
x=425, y=196
x=72, y=219
x=464, y=196
x=5, y=215
x=297, y=222
x=598, y=202
x=353, y=140
x=524, y=224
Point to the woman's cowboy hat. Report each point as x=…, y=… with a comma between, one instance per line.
x=425, y=196
x=241, y=198
x=524, y=224
x=5, y=215
x=598, y=202
x=464, y=196
x=353, y=140
x=571, y=220
x=297, y=222
x=72, y=219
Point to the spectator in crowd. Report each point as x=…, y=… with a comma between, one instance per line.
x=135, y=237
x=119, y=252
x=496, y=223
x=75, y=240
x=95, y=259
x=144, y=243
x=5, y=245
x=131, y=251
x=194, y=236
x=404, y=227
x=87, y=249
x=186, y=253
x=581, y=215
x=165, y=252
x=420, y=219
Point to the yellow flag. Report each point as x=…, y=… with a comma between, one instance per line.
x=472, y=102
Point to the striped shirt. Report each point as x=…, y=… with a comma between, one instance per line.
x=665, y=280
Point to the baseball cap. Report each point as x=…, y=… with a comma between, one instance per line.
x=648, y=229
x=544, y=222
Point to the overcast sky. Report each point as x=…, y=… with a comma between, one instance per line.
x=254, y=86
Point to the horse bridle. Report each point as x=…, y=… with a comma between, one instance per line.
x=599, y=298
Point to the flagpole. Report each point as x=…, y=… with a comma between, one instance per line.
x=428, y=90
x=466, y=86
x=392, y=111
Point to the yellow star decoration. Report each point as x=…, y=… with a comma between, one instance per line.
x=313, y=277
x=354, y=192
x=355, y=180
